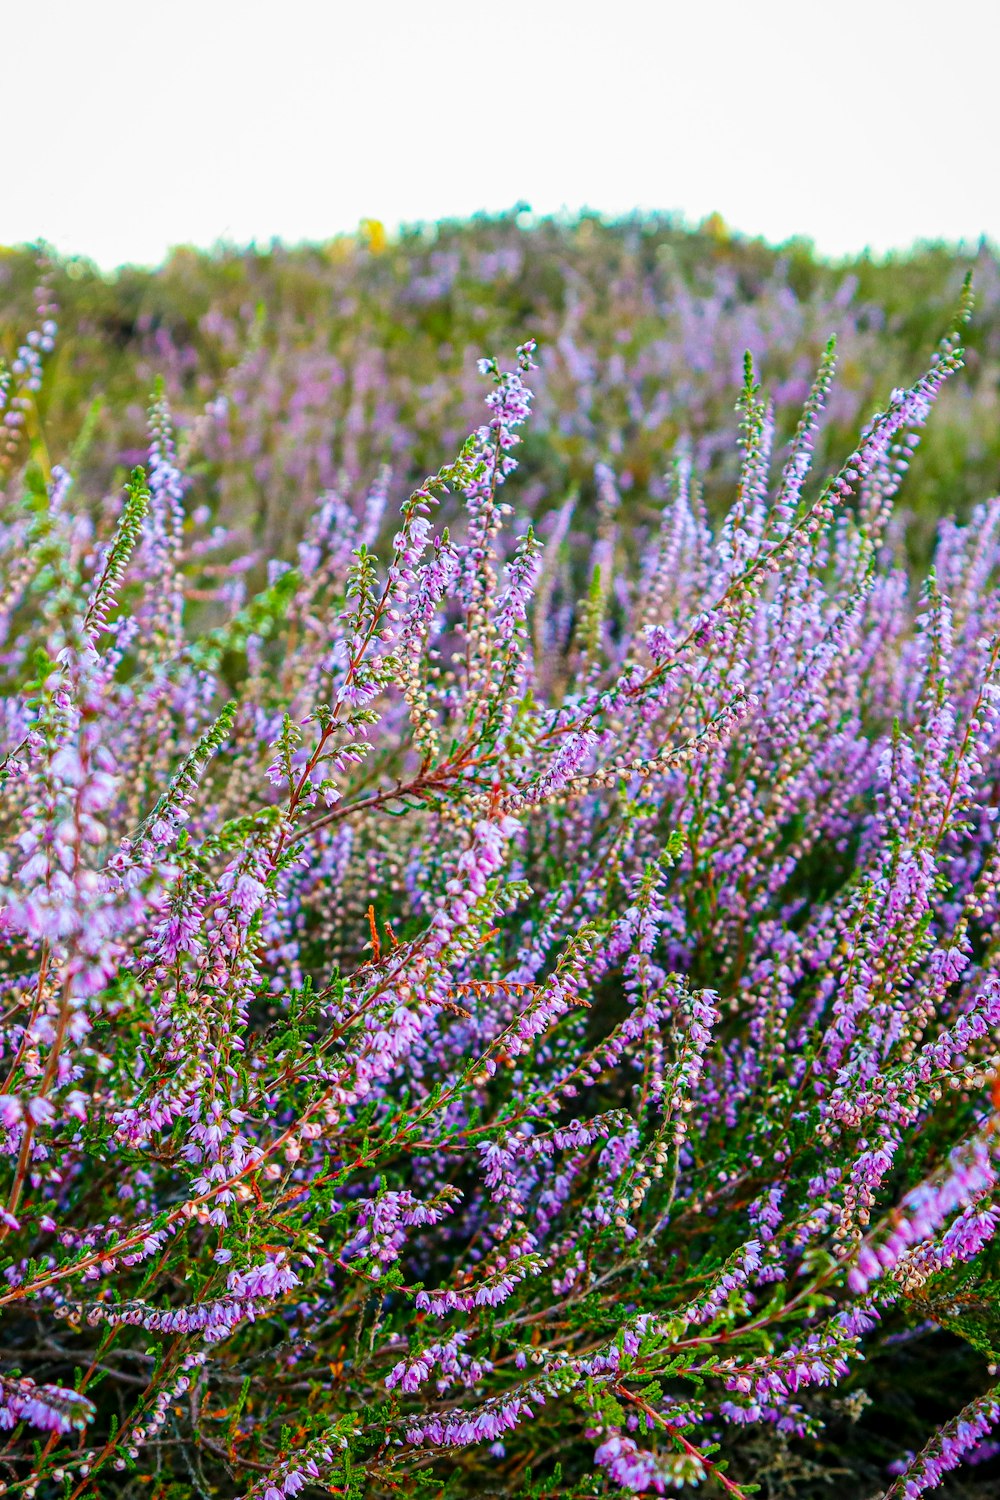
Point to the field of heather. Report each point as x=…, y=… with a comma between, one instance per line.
x=499, y=887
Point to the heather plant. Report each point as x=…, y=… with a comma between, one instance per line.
x=473, y=1025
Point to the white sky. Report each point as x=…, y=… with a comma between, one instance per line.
x=132, y=126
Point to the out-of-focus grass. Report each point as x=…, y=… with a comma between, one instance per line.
x=336, y=359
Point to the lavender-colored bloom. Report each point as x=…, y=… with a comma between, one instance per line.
x=956, y=1443
x=49, y=1408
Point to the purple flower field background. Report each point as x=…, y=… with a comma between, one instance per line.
x=500, y=899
